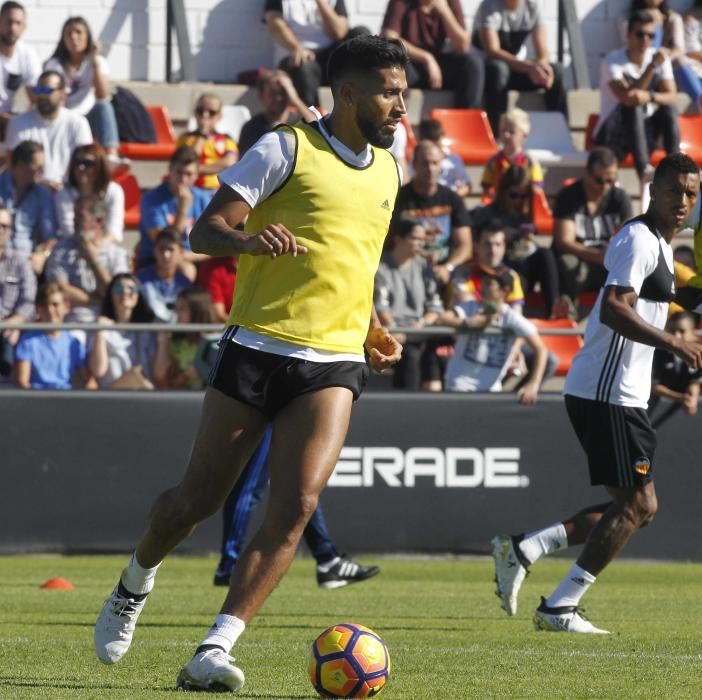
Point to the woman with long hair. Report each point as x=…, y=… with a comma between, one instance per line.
x=174, y=365
x=89, y=174
x=123, y=359
x=77, y=57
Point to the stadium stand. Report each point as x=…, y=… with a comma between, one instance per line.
x=165, y=138
x=468, y=134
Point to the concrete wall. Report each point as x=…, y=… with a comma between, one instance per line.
x=227, y=35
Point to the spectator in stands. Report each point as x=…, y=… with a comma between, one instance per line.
x=281, y=105
x=406, y=294
x=637, y=94
x=440, y=210
x=30, y=203
x=586, y=215
x=501, y=30
x=84, y=263
x=481, y=361
x=216, y=151
x=685, y=255
x=218, y=277
x=59, y=130
x=513, y=206
x=435, y=36
x=89, y=174
x=163, y=280
x=123, y=359
x=174, y=365
x=50, y=359
x=86, y=74
x=19, y=64
x=453, y=172
x=18, y=287
x=513, y=132
x=175, y=203
x=305, y=33
x=672, y=378
x=692, y=31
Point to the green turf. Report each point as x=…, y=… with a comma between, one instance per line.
x=446, y=634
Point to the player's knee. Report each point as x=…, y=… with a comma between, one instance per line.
x=295, y=510
x=645, y=507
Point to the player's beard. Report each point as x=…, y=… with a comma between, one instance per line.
x=371, y=131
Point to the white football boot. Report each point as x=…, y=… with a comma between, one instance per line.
x=567, y=618
x=511, y=568
x=211, y=670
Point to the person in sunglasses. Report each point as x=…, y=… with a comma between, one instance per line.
x=637, y=99
x=587, y=214
x=57, y=129
x=217, y=151
x=89, y=174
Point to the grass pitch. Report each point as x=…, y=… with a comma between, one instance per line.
x=446, y=634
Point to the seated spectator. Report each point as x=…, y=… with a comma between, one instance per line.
x=440, y=210
x=174, y=366
x=587, y=214
x=216, y=151
x=86, y=74
x=685, y=255
x=453, y=172
x=84, y=264
x=281, y=105
x=481, y=360
x=176, y=203
x=501, y=29
x=89, y=175
x=19, y=64
x=161, y=281
x=30, y=203
x=218, y=277
x=18, y=287
x=50, y=359
x=672, y=378
x=123, y=359
x=305, y=32
x=637, y=98
x=513, y=206
x=406, y=294
x=692, y=32
x=513, y=133
x=58, y=130
x=435, y=36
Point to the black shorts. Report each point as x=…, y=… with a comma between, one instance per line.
x=619, y=441
x=268, y=382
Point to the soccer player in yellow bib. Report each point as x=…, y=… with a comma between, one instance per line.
x=317, y=199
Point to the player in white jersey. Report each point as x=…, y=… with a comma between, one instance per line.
x=606, y=395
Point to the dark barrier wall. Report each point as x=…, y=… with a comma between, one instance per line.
x=419, y=473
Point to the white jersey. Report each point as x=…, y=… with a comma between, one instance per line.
x=610, y=367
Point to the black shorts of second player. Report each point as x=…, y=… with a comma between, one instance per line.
x=619, y=441
x=269, y=382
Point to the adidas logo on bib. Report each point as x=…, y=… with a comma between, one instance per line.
x=385, y=205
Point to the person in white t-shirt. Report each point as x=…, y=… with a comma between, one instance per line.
x=19, y=65
x=59, y=130
x=77, y=57
x=638, y=93
x=481, y=360
x=606, y=395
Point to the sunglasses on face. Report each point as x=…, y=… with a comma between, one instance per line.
x=125, y=289
x=519, y=195
x=43, y=90
x=602, y=181
x=205, y=112
x=5, y=227
x=644, y=35
x=86, y=162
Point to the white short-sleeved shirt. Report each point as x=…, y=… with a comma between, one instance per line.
x=65, y=201
x=22, y=68
x=59, y=137
x=617, y=66
x=80, y=84
x=480, y=360
x=610, y=367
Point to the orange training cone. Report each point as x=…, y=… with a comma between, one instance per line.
x=58, y=584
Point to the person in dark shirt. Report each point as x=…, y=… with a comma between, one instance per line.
x=587, y=214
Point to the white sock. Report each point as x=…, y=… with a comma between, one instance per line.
x=137, y=579
x=328, y=565
x=539, y=543
x=225, y=631
x=572, y=588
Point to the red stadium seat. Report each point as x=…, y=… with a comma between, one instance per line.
x=691, y=136
x=164, y=147
x=132, y=198
x=468, y=133
x=564, y=347
x=628, y=162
